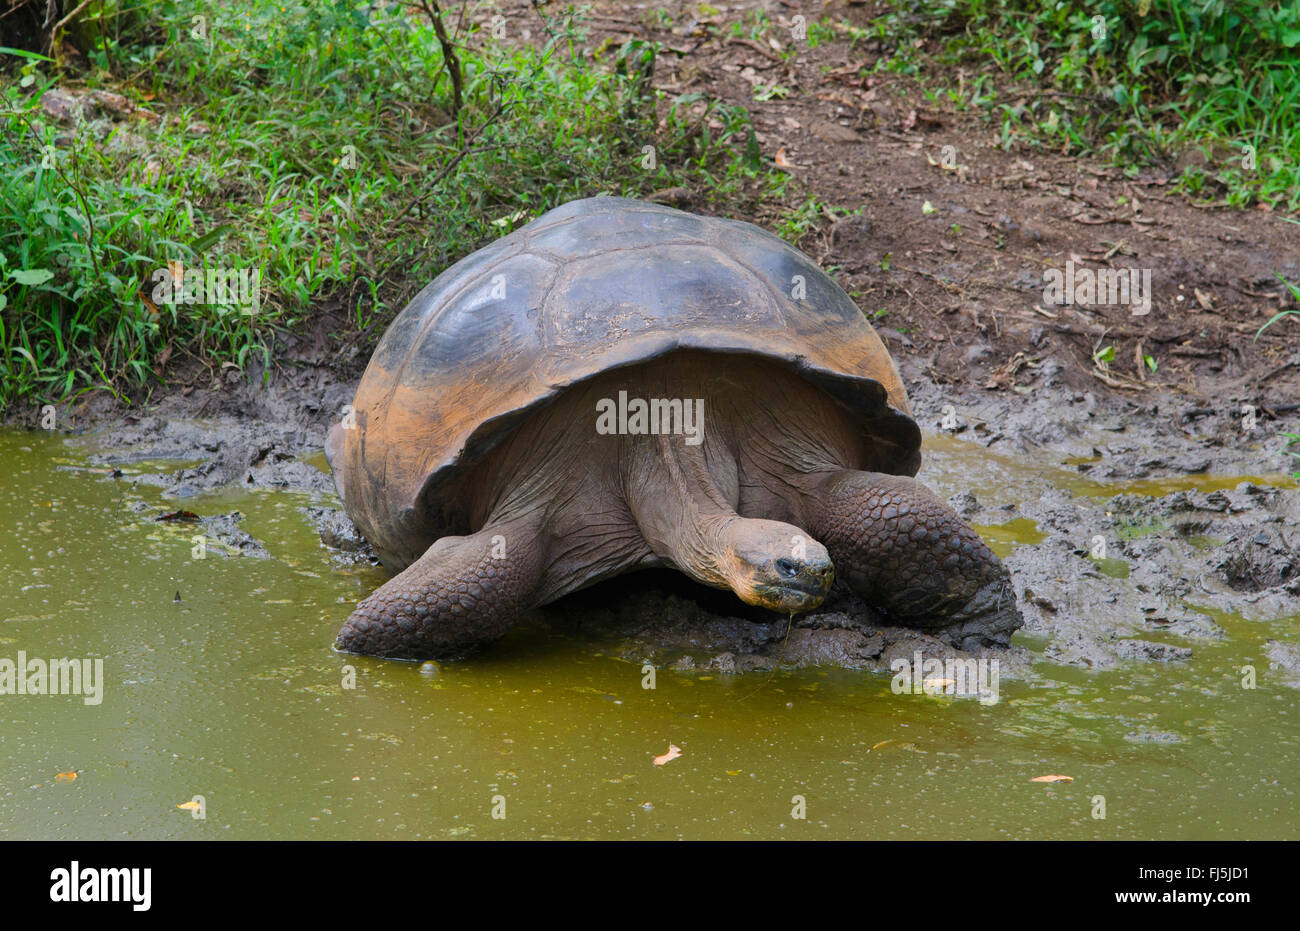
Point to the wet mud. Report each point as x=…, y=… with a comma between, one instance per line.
x=1127, y=527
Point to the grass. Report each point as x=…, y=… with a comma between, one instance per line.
x=324, y=147
x=1210, y=88
x=318, y=145
x=1280, y=315
x=1292, y=439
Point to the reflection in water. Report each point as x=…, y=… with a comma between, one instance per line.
x=233, y=693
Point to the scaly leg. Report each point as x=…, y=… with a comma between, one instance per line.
x=901, y=548
x=463, y=593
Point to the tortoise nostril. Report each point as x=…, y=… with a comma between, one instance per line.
x=786, y=568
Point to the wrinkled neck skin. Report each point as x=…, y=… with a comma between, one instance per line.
x=612, y=501
x=680, y=509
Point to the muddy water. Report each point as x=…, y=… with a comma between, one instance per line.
x=998, y=478
x=232, y=693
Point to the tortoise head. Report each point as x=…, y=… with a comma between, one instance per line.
x=775, y=565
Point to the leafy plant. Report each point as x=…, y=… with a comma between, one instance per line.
x=1141, y=81
x=1295, y=293
x=320, y=144
x=1292, y=440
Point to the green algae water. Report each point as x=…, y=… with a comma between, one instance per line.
x=993, y=474
x=220, y=689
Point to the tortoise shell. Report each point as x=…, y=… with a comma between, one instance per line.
x=591, y=286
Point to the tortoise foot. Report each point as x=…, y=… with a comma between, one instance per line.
x=459, y=596
x=903, y=549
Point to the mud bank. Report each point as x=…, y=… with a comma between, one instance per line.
x=1128, y=525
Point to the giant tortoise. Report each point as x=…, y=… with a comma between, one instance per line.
x=620, y=385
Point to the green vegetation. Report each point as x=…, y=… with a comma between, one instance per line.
x=331, y=146
x=1295, y=295
x=1213, y=84
x=1292, y=439
x=321, y=145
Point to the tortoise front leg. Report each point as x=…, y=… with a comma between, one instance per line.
x=904, y=550
x=463, y=593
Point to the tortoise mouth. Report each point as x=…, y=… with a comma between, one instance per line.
x=791, y=589
x=784, y=600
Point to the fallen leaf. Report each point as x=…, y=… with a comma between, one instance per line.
x=929, y=119
x=66, y=777
x=673, y=197
x=1052, y=779
x=781, y=161
x=1005, y=377
x=843, y=71
x=673, y=753
x=507, y=221
x=837, y=97
x=827, y=131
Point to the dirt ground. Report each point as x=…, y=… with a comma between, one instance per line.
x=960, y=284
x=963, y=290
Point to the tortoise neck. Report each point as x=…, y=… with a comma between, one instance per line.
x=678, y=506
